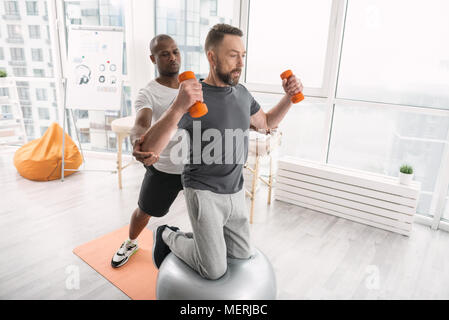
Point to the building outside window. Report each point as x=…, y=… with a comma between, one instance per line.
x=213, y=8
x=21, y=23
x=11, y=8
x=14, y=31
x=27, y=113
x=36, y=54
x=95, y=124
x=32, y=9
x=6, y=109
x=23, y=93
x=29, y=128
x=4, y=92
x=41, y=94
x=39, y=73
x=188, y=22
x=44, y=114
x=84, y=137
x=17, y=54
x=20, y=72
x=43, y=129
x=34, y=31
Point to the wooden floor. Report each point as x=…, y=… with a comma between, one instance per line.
x=315, y=256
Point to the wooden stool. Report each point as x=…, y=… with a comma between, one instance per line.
x=122, y=128
x=261, y=144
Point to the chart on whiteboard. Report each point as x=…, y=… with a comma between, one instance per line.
x=95, y=62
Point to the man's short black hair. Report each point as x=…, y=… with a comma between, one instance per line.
x=154, y=42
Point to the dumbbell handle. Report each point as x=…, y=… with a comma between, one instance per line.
x=199, y=108
x=297, y=97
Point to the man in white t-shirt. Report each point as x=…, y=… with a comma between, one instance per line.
x=162, y=181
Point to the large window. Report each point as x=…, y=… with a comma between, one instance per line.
x=95, y=125
x=391, y=55
x=380, y=140
x=188, y=22
x=288, y=35
x=446, y=209
x=25, y=55
x=396, y=52
x=303, y=128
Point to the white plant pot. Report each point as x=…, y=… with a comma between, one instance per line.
x=405, y=178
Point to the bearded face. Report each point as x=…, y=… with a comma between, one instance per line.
x=228, y=59
x=231, y=77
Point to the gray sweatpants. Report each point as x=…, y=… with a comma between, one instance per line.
x=220, y=229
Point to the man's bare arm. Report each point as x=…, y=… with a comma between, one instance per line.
x=141, y=125
x=157, y=137
x=272, y=118
x=159, y=134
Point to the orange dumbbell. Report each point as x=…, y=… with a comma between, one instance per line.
x=199, y=109
x=297, y=97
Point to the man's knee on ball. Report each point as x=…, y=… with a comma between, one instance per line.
x=214, y=272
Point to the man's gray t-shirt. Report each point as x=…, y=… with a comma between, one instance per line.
x=218, y=146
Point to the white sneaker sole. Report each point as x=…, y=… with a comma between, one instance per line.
x=125, y=260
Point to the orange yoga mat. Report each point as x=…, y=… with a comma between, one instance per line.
x=137, y=278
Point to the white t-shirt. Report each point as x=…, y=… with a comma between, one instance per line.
x=159, y=98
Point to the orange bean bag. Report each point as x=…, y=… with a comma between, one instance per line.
x=40, y=159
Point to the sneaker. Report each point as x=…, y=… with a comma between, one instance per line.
x=126, y=250
x=160, y=248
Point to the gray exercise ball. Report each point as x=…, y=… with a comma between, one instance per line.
x=245, y=279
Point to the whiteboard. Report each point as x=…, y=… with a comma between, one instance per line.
x=94, y=68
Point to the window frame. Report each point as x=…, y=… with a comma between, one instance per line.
x=327, y=95
x=332, y=52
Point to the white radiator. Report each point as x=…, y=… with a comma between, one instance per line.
x=373, y=199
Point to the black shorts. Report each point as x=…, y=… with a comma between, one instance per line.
x=158, y=191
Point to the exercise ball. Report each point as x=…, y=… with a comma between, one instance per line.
x=245, y=279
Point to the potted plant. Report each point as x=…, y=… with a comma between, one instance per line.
x=405, y=174
x=4, y=81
